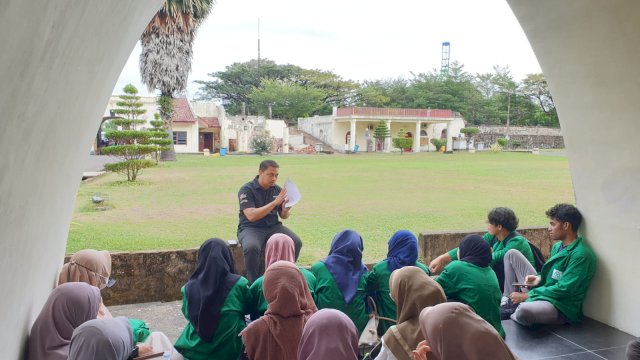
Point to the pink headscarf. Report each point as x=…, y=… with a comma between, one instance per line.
x=279, y=247
x=454, y=331
x=329, y=334
x=68, y=306
x=276, y=335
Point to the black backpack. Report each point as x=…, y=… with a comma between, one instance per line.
x=537, y=256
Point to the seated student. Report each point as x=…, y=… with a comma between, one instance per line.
x=67, y=307
x=276, y=335
x=633, y=350
x=94, y=268
x=329, y=334
x=557, y=293
x=105, y=339
x=501, y=236
x=279, y=247
x=341, y=278
x=471, y=281
x=214, y=301
x=453, y=332
x=403, y=251
x=413, y=290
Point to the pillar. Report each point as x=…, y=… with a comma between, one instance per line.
x=387, y=141
x=449, y=137
x=416, y=137
x=352, y=138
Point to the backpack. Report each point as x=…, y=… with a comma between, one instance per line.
x=537, y=256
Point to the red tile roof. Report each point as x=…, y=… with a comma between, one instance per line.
x=182, y=112
x=395, y=112
x=208, y=122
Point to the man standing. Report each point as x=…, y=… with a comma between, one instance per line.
x=261, y=202
x=557, y=293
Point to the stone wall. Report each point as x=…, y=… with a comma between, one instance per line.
x=432, y=244
x=529, y=137
x=148, y=276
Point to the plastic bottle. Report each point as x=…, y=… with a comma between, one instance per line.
x=166, y=355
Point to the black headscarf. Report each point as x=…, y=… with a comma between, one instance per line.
x=473, y=249
x=208, y=287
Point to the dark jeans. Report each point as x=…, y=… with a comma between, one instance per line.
x=253, y=241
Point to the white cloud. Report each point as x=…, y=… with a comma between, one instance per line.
x=357, y=39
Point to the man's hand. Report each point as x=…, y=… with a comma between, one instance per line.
x=285, y=210
x=421, y=351
x=436, y=266
x=532, y=280
x=281, y=197
x=518, y=297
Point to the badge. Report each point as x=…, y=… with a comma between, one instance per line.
x=556, y=275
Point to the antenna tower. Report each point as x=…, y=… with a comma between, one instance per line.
x=446, y=49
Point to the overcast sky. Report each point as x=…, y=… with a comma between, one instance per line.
x=356, y=39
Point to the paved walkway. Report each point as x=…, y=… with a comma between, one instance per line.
x=166, y=317
x=96, y=163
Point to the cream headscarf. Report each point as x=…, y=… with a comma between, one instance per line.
x=89, y=266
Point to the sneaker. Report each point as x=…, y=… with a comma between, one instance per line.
x=507, y=309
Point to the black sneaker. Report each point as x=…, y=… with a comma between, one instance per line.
x=507, y=309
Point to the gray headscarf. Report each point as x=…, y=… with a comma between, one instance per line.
x=102, y=339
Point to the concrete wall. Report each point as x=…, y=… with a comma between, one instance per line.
x=589, y=55
x=59, y=61
x=193, y=139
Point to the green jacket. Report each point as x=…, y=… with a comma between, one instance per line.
x=258, y=302
x=378, y=288
x=226, y=344
x=565, y=278
x=475, y=286
x=328, y=295
x=515, y=241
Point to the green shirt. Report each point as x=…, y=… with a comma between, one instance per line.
x=226, y=344
x=328, y=295
x=475, y=286
x=258, y=302
x=378, y=288
x=516, y=241
x=565, y=278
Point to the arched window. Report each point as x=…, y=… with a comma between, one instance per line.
x=347, y=137
x=423, y=133
x=443, y=135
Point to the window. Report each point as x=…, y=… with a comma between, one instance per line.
x=180, y=138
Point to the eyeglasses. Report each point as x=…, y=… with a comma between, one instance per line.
x=105, y=281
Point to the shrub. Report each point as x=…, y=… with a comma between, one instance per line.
x=502, y=142
x=496, y=148
x=516, y=143
x=439, y=143
x=261, y=143
x=402, y=142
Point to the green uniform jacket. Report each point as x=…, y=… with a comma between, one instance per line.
x=226, y=344
x=517, y=242
x=475, y=286
x=328, y=295
x=378, y=288
x=565, y=278
x=258, y=302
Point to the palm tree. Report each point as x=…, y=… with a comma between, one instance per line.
x=167, y=50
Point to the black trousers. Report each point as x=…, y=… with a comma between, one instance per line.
x=253, y=241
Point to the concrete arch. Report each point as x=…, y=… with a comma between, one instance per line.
x=59, y=61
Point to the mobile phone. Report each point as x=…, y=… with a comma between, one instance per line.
x=522, y=284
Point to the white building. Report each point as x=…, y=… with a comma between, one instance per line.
x=352, y=129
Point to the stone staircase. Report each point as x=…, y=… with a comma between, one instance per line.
x=311, y=140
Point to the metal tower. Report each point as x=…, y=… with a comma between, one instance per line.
x=446, y=49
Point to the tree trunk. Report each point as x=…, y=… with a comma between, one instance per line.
x=166, y=113
x=170, y=154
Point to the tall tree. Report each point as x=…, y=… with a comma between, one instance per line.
x=288, y=101
x=167, y=50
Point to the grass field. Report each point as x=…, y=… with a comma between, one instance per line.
x=181, y=204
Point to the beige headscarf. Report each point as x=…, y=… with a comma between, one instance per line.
x=412, y=290
x=279, y=247
x=454, y=331
x=83, y=267
x=276, y=335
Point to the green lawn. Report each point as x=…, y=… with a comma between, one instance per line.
x=181, y=204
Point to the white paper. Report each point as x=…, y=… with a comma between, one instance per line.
x=293, y=194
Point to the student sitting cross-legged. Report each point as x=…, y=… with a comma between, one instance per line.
x=341, y=278
x=413, y=290
x=557, y=293
x=214, y=301
x=452, y=331
x=276, y=335
x=329, y=334
x=106, y=339
x=279, y=247
x=403, y=251
x=471, y=280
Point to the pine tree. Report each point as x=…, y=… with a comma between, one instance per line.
x=381, y=132
x=131, y=145
x=159, y=136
